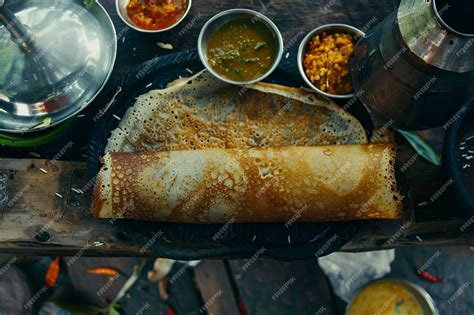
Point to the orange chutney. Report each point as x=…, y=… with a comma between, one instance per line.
x=155, y=14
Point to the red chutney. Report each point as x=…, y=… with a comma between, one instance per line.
x=155, y=14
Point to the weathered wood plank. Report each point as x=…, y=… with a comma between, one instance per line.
x=214, y=284
x=37, y=222
x=298, y=287
x=183, y=293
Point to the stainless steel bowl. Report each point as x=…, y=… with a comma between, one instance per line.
x=328, y=28
x=220, y=19
x=121, y=7
x=422, y=297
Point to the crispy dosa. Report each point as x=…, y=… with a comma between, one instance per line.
x=203, y=112
x=318, y=183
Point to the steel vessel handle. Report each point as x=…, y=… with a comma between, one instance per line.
x=19, y=33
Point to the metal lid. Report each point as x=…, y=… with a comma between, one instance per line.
x=423, y=28
x=58, y=66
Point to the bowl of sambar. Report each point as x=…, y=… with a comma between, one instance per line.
x=240, y=46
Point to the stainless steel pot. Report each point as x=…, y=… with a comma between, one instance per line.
x=415, y=67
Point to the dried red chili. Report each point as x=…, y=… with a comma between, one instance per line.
x=107, y=271
x=170, y=310
x=429, y=277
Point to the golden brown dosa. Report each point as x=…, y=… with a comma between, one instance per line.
x=203, y=112
x=344, y=182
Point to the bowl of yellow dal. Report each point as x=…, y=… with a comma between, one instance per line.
x=391, y=297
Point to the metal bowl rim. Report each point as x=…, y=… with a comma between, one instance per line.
x=439, y=18
x=420, y=290
x=262, y=17
x=117, y=8
x=353, y=30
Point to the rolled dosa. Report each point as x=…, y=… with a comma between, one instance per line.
x=343, y=182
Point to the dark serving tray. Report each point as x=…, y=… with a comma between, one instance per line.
x=300, y=240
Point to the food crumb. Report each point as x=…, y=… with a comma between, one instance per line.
x=165, y=45
x=34, y=154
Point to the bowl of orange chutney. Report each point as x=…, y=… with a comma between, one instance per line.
x=152, y=16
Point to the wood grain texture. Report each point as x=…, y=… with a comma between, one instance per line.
x=212, y=279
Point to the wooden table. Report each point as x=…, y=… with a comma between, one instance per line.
x=43, y=212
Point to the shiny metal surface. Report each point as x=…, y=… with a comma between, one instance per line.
x=220, y=19
x=329, y=28
x=423, y=298
x=72, y=56
x=411, y=71
x=430, y=39
x=121, y=7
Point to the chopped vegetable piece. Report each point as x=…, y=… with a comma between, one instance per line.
x=52, y=274
x=260, y=45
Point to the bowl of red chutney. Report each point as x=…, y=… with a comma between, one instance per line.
x=152, y=16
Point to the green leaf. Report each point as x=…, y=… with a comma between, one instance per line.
x=137, y=270
x=422, y=146
x=89, y=3
x=80, y=309
x=113, y=311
